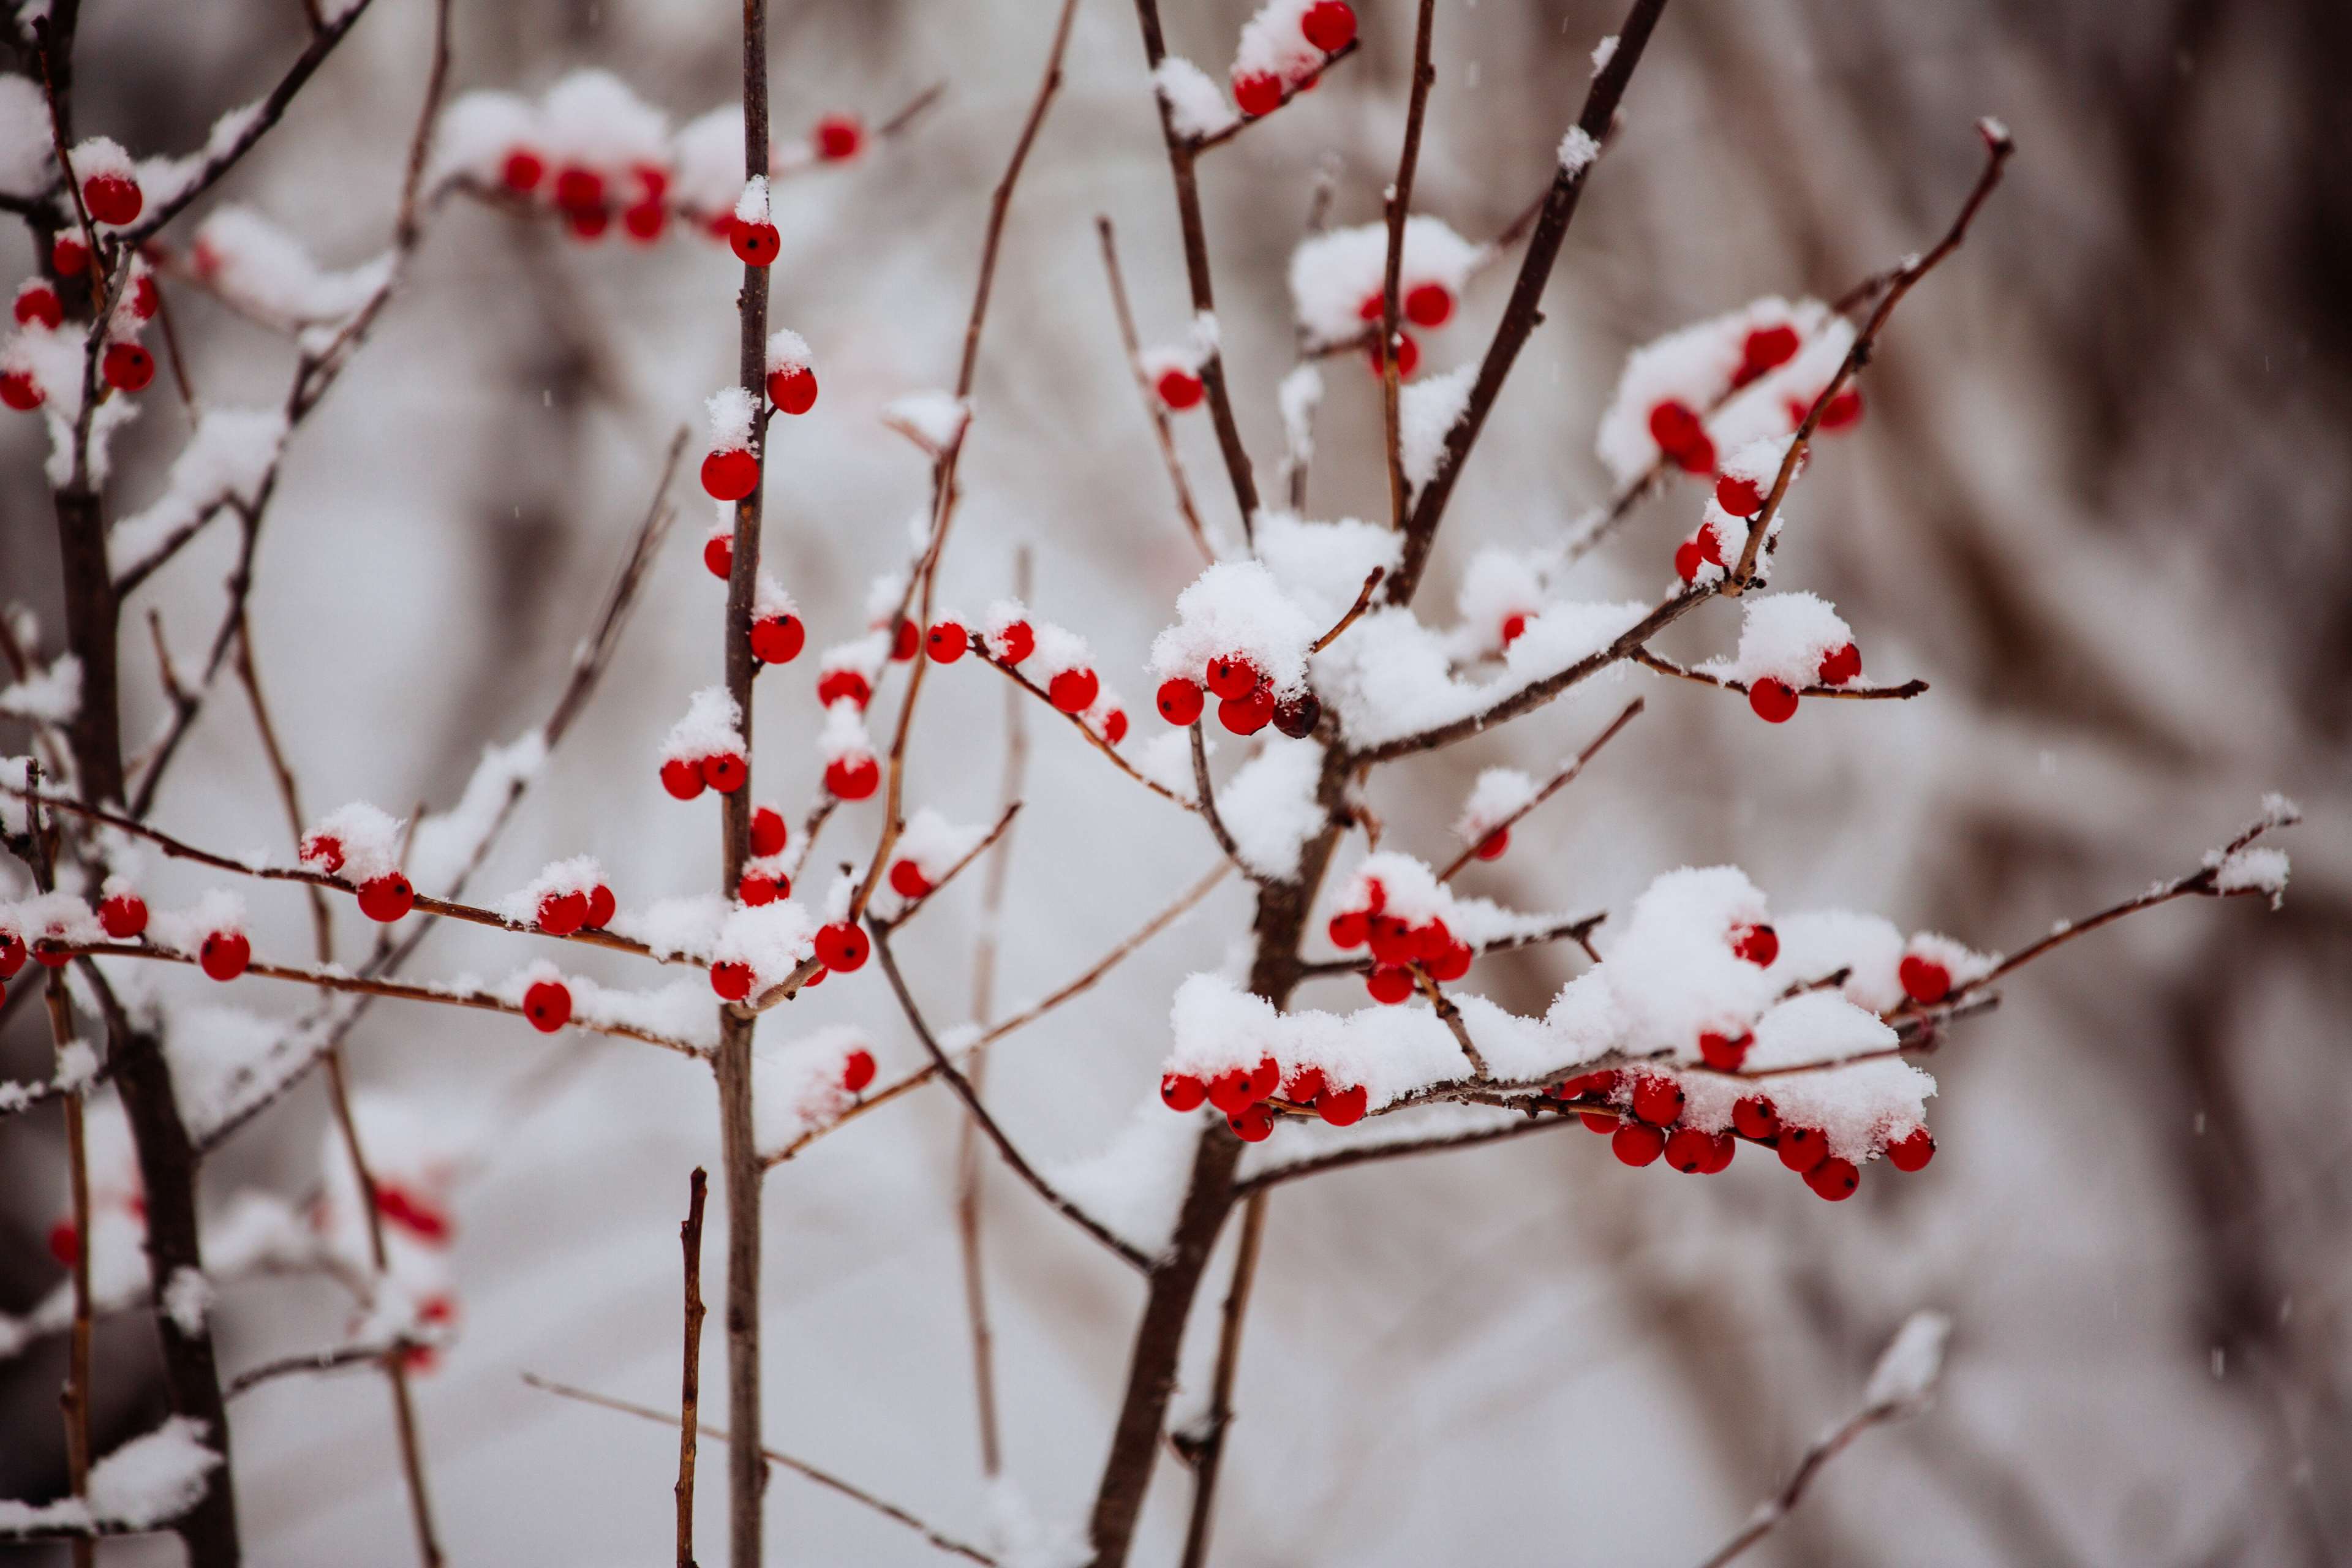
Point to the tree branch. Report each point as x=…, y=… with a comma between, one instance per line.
x=1152, y=408
x=1552, y=786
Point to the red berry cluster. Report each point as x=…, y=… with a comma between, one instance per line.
x=588, y=197
x=1400, y=948
x=685, y=777
x=1680, y=431
x=1329, y=25
x=1247, y=1096
x=1428, y=304
x=841, y=947
x=592, y=908
x=1246, y=699
x=1646, y=1126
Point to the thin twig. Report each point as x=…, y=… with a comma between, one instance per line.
x=1399, y=202
x=1777, y=1508
x=1152, y=408
x=1216, y=139
x=1208, y=799
x=1551, y=787
x=337, y=1360
x=689, y=1237
x=1099, y=744
x=1205, y=1448
x=1909, y=689
x=1363, y=602
x=1453, y=1017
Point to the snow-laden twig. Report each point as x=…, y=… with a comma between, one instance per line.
x=1552, y=786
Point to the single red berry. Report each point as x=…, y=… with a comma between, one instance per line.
x=325, y=852
x=1330, y=25
x=1689, y=1151
x=1181, y=1091
x=1912, y=1150
x=1739, y=496
x=225, y=954
x=113, y=198
x=946, y=642
x=1514, y=626
x=1774, y=699
x=906, y=640
x=578, y=189
x=548, y=1006
x=718, y=552
x=769, y=832
x=1758, y=944
x=145, y=301
x=852, y=777
x=1265, y=1077
x=1767, y=348
x=38, y=302
x=12, y=954
x=793, y=390
x=386, y=899
x=1233, y=675
x=857, y=1069
x=732, y=981
x=1408, y=356
x=1230, y=1092
x=754, y=244
x=836, y=685
x=1389, y=985
x=1844, y=410
x=561, y=914
x=682, y=777
x=1430, y=939
x=645, y=220
x=1297, y=717
x=69, y=255
x=906, y=879
x=49, y=953
x=1257, y=94
x=523, y=171
x=1349, y=929
x=1637, y=1144
x=1429, y=305
x=1016, y=643
x=1925, y=981
x=1835, y=1179
x=838, y=136
x=1658, y=1101
x=1840, y=664
x=1721, y=1147
x=20, y=392
x=424, y=1220
x=1341, y=1107
x=1493, y=845
x=729, y=475
x=841, y=946
x=757, y=887
x=1247, y=715
x=1179, y=701
x=602, y=907
x=127, y=367
x=778, y=640
x=65, y=1242
x=1114, y=726
x=1074, y=690
x=1803, y=1148
x=1301, y=1087
x=1724, y=1053
x=588, y=224
x=124, y=916
x=1687, y=560
x=1255, y=1125
x=815, y=979
x=1392, y=941
x=1604, y=1122
x=726, y=773
x=1179, y=388
x=1451, y=965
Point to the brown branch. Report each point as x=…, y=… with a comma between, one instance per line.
x=1204, y=1448
x=1216, y=139
x=1399, y=202
x=1576, y=930
x=1152, y=408
x=1909, y=689
x=689, y=1237
x=1777, y=1508
x=1453, y=1017
x=1361, y=1154
x=1099, y=744
x=988, y=840
x=1551, y=787
x=798, y=1466
x=74, y=1400
x=1208, y=799
x=336, y=1360
x=1363, y=602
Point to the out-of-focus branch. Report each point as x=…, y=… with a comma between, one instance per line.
x=1204, y=1447
x=689, y=1237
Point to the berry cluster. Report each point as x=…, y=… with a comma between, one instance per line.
x=685, y=778
x=1248, y=1097
x=841, y=947
x=1328, y=27
x=1642, y=1115
x=1427, y=303
x=1246, y=699
x=1400, y=950
x=588, y=194
x=385, y=898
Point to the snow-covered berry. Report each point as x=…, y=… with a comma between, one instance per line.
x=1494, y=845
x=730, y=474
x=1247, y=715
x=837, y=685
x=1389, y=984
x=1840, y=664
x=1015, y=642
x=1765, y=349
x=946, y=641
x=1341, y=1107
x=792, y=389
x=1739, y=496
x=1724, y=1052
x=755, y=244
x=1682, y=435
x=113, y=198
x=1074, y=690
x=778, y=640
x=1230, y=1092
x=1114, y=726
x=841, y=946
x=602, y=907
x=852, y=777
x=730, y=980
x=125, y=915
x=682, y=777
x=20, y=392
x=718, y=549
x=1758, y=944
x=127, y=367
x=1835, y=1179
x=1912, y=1150
x=770, y=832
x=1925, y=981
x=548, y=1006
x=906, y=879
x=69, y=255
x=37, y=302
x=1803, y=1148
x=561, y=914
x=225, y=954
x=725, y=772
x=1297, y=717
x=1257, y=94
x=1233, y=675
x=756, y=888
x=1348, y=929
x=1514, y=626
x=1179, y=389
x=1658, y=1101
x=1773, y=699
x=838, y=137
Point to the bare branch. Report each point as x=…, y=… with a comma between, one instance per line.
x=1363, y=602
x=1551, y=786
x=1908, y=690
x=689, y=1237
x=1399, y=202
x=1152, y=406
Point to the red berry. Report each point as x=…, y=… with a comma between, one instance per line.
x=38, y=302
x=906, y=641
x=1247, y=715
x=51, y=953
x=1349, y=929
x=1429, y=305
x=1303, y=1086
x=1925, y=981
x=815, y=979
x=1254, y=1125
x=1758, y=944
x=1389, y=985
x=1844, y=410
x=1265, y=1078
x=1430, y=940
x=69, y=255
x=1682, y=436
x=225, y=954
x=852, y=777
x=1233, y=675
x=1835, y=1179
x=1767, y=348
x=1074, y=690
x=1230, y=1092
x=1514, y=626
x=602, y=907
x=1912, y=1150
x=1179, y=701
x=1687, y=560
x=778, y=640
x=578, y=190
x=1341, y=1107
x=1392, y=941
x=124, y=916
x=1408, y=356
x=1493, y=845
x=768, y=833
x=857, y=1069
x=1721, y=1147
x=794, y=390
x=65, y=1242
x=841, y=947
x=127, y=366
x=754, y=244
x=732, y=981
x=1114, y=726
x=946, y=642
x=113, y=198
x=726, y=773
x=682, y=777
x=1803, y=1148
x=548, y=1006
x=144, y=299
x=1689, y=1151
x=838, y=136
x=718, y=552
x=386, y=899
x=1724, y=1052
x=1774, y=699
x=1297, y=717
x=757, y=887
x=587, y=223
x=729, y=475
x=1637, y=1144
x=835, y=685
x=1450, y=965
x=12, y=954
x=523, y=171
x=1602, y=1121
x=1740, y=498
x=1181, y=1091
x=1016, y=643
x=1840, y=664
x=1657, y=1100
x=1179, y=388
x=561, y=914
x=20, y=392
x=906, y=879
x=1257, y=93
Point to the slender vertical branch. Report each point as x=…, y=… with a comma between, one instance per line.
x=1399, y=202
x=1208, y=1451
x=1151, y=405
x=690, y=1398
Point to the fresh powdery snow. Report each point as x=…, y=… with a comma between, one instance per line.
x=1499, y=794
x=935, y=845
x=150, y=1480
x=797, y=1086
x=50, y=695
x=1578, y=149
x=1322, y=565
x=1426, y=411
x=711, y=726
x=2257, y=869
x=225, y=461
x=1784, y=636
x=1334, y=274
x=1236, y=607
x=1697, y=365
x=24, y=137
x=1196, y=104
x=446, y=843
x=932, y=420
x=257, y=266
x=1135, y=1185
x=1911, y=1364
x=1269, y=807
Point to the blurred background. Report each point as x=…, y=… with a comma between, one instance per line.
x=2098, y=500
